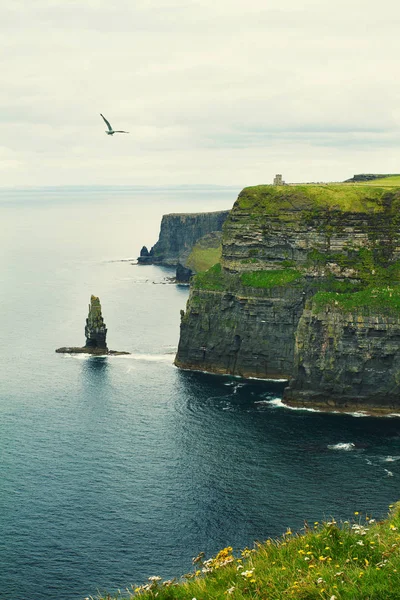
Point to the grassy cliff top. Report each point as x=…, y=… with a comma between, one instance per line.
x=387, y=181
x=196, y=214
x=346, y=197
x=358, y=559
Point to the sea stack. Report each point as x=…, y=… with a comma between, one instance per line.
x=95, y=332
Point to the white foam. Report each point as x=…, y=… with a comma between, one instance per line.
x=150, y=357
x=391, y=459
x=356, y=414
x=277, y=402
x=270, y=380
x=389, y=473
x=84, y=356
x=346, y=446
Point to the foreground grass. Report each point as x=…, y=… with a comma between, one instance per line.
x=358, y=561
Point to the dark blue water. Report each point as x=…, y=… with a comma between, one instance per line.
x=115, y=469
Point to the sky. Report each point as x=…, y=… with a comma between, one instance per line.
x=225, y=92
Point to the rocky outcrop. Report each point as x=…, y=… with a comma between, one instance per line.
x=284, y=250
x=95, y=332
x=146, y=257
x=183, y=274
x=95, y=329
x=178, y=235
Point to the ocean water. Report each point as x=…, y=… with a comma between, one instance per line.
x=119, y=468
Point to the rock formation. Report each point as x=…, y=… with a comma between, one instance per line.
x=183, y=274
x=95, y=332
x=309, y=277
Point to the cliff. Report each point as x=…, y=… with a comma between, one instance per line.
x=285, y=252
x=179, y=234
x=348, y=356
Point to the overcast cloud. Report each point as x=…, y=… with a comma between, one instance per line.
x=223, y=91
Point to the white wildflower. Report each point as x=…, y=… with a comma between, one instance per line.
x=248, y=573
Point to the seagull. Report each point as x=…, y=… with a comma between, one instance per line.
x=111, y=131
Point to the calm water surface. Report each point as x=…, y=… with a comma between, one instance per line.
x=115, y=469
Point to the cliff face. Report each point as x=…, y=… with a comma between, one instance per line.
x=178, y=235
x=241, y=332
x=346, y=359
x=282, y=248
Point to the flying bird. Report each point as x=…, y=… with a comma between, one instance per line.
x=111, y=131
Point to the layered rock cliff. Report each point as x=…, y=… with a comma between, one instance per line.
x=285, y=251
x=347, y=357
x=179, y=234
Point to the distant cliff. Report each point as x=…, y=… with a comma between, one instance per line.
x=309, y=277
x=179, y=234
x=361, y=177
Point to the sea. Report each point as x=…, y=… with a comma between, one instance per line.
x=115, y=469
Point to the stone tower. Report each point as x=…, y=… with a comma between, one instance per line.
x=278, y=180
x=95, y=330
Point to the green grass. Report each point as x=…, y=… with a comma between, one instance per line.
x=213, y=279
x=201, y=259
x=391, y=181
x=216, y=279
x=378, y=300
x=269, y=279
x=365, y=197
x=356, y=560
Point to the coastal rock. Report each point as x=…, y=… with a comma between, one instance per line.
x=183, y=274
x=146, y=257
x=95, y=332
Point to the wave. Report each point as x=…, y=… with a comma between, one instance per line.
x=149, y=357
x=389, y=473
x=277, y=403
x=346, y=446
x=391, y=459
